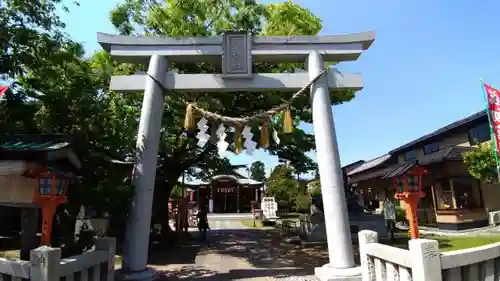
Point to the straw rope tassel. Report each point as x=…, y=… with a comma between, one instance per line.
x=237, y=140
x=288, y=121
x=264, y=135
x=189, y=122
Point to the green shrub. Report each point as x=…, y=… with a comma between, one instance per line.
x=303, y=217
x=302, y=203
x=400, y=214
x=316, y=190
x=282, y=204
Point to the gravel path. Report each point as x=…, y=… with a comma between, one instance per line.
x=235, y=252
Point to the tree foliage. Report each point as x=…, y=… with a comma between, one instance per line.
x=285, y=188
x=481, y=163
x=302, y=203
x=282, y=185
x=316, y=188
x=258, y=171
x=55, y=89
x=281, y=171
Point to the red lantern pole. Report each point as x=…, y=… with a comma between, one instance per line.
x=411, y=214
x=411, y=198
x=49, y=204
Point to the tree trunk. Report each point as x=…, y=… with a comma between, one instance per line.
x=162, y=209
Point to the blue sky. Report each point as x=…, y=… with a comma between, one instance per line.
x=421, y=73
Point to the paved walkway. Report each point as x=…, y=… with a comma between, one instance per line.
x=235, y=252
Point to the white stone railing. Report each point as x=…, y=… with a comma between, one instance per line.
x=480, y=263
x=380, y=262
x=424, y=262
x=46, y=265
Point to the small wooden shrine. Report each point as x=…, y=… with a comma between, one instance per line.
x=35, y=172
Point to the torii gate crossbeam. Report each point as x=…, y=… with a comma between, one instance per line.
x=235, y=52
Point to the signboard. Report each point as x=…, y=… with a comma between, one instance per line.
x=225, y=189
x=269, y=207
x=16, y=189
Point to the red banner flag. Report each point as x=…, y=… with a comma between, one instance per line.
x=3, y=89
x=493, y=100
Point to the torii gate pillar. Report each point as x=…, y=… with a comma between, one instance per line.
x=237, y=50
x=138, y=227
x=341, y=259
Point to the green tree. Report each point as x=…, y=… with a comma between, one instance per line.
x=316, y=188
x=55, y=89
x=258, y=171
x=31, y=37
x=302, y=203
x=281, y=171
x=283, y=189
x=282, y=185
x=481, y=163
x=177, y=192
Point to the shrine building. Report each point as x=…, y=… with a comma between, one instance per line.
x=225, y=193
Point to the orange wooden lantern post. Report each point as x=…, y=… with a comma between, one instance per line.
x=409, y=189
x=51, y=193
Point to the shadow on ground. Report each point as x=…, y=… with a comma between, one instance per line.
x=267, y=249
x=253, y=253
x=199, y=273
x=182, y=254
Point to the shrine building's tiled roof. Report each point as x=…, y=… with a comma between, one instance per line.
x=34, y=142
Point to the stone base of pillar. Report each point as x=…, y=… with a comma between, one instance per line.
x=329, y=273
x=148, y=274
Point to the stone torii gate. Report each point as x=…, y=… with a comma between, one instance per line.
x=236, y=51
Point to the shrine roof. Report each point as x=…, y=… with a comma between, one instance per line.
x=370, y=164
x=238, y=180
x=448, y=154
x=350, y=167
x=34, y=142
x=49, y=150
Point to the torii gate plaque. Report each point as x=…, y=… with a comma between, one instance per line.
x=236, y=51
x=236, y=55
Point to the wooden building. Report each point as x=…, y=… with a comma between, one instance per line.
x=453, y=199
x=225, y=193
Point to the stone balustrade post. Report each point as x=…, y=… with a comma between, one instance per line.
x=45, y=264
x=425, y=260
